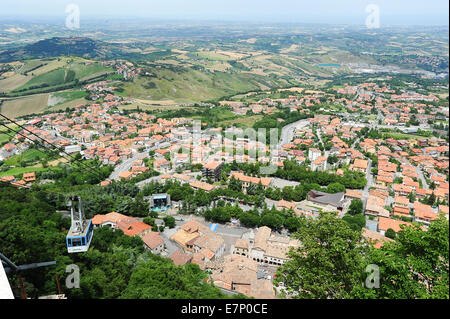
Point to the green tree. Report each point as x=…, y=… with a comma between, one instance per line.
x=292, y=224
x=249, y=219
x=169, y=221
x=150, y=221
x=328, y=262
x=272, y=220
x=356, y=222
x=235, y=185
x=390, y=233
x=159, y=278
x=335, y=188
x=356, y=207
x=415, y=265
x=412, y=197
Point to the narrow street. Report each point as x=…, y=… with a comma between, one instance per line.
x=369, y=184
x=287, y=132
x=422, y=178
x=126, y=165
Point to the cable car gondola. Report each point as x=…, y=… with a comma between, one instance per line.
x=81, y=230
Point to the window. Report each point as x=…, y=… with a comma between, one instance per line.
x=76, y=242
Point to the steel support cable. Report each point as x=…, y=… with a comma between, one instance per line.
x=55, y=146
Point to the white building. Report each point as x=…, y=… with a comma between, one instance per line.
x=313, y=154
x=72, y=149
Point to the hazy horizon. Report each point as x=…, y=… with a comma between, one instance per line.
x=348, y=12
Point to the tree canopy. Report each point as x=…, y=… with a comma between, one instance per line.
x=334, y=259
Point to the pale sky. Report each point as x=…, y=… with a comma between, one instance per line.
x=392, y=12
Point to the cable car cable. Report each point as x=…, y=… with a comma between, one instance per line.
x=60, y=149
x=57, y=147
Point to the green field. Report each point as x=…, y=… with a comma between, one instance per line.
x=71, y=95
x=25, y=105
x=31, y=65
x=18, y=171
x=31, y=158
x=57, y=73
x=219, y=114
x=213, y=56
x=245, y=121
x=31, y=155
x=65, y=97
x=5, y=138
x=191, y=85
x=82, y=70
x=403, y=136
x=51, y=78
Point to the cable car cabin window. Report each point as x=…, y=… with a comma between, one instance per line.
x=90, y=232
x=76, y=242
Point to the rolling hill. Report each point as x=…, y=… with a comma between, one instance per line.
x=59, y=46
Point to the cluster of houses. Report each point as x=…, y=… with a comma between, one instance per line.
x=404, y=172
x=269, y=106
x=236, y=272
x=26, y=180
x=264, y=246
x=407, y=170
x=196, y=243
x=303, y=146
x=397, y=108
x=125, y=68
x=132, y=227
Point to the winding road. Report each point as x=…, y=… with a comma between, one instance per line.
x=287, y=132
x=126, y=165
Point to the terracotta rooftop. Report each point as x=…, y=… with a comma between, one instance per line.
x=153, y=240
x=386, y=223
x=179, y=258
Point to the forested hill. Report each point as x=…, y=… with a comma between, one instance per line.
x=58, y=46
x=116, y=266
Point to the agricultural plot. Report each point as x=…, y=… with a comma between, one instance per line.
x=51, y=78
x=66, y=96
x=19, y=171
x=13, y=82
x=193, y=85
x=31, y=156
x=25, y=105
x=37, y=75
x=85, y=71
x=4, y=137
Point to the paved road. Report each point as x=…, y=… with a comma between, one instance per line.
x=369, y=177
x=287, y=132
x=171, y=246
x=281, y=183
x=141, y=184
x=126, y=165
x=422, y=178
x=354, y=143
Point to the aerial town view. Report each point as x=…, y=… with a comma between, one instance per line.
x=253, y=150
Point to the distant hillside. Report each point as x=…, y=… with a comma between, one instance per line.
x=54, y=47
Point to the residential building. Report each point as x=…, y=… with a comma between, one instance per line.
x=212, y=170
